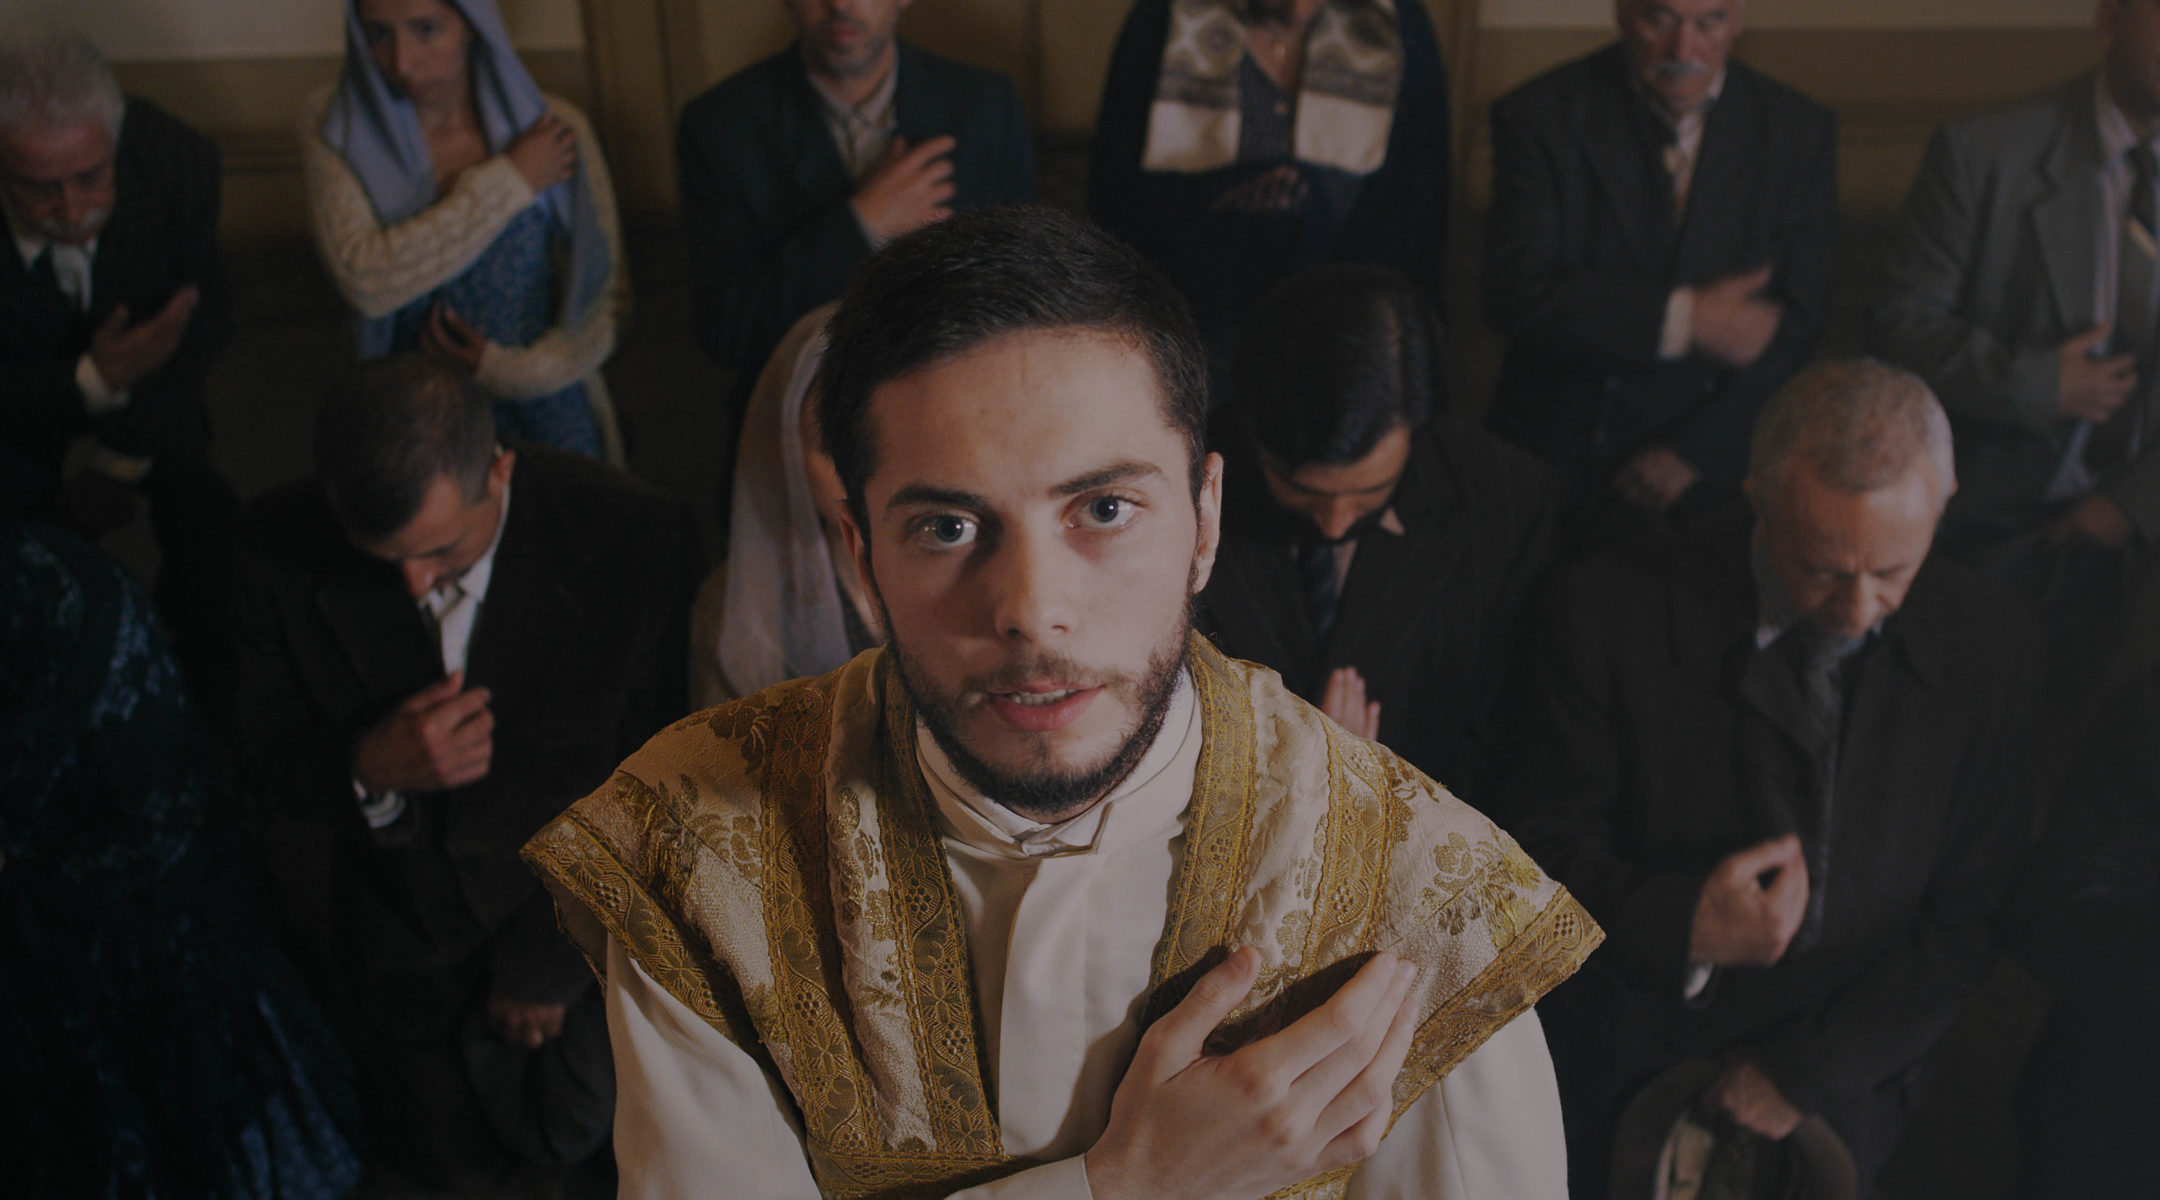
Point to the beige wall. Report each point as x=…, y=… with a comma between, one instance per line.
x=1892, y=69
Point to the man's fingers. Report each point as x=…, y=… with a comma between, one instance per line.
x=1361, y=1110
x=1777, y=852
x=1319, y=1033
x=435, y=693
x=1323, y=1085
x=455, y=711
x=1176, y=1039
x=933, y=148
x=182, y=305
x=2084, y=342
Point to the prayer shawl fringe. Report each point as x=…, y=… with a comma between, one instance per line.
x=1346, y=92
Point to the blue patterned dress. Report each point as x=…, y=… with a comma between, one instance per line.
x=510, y=295
x=151, y=1042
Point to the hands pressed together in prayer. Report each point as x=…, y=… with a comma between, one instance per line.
x=1345, y=704
x=1187, y=1125
x=441, y=737
x=912, y=188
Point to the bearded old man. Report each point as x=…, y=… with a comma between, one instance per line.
x=1045, y=897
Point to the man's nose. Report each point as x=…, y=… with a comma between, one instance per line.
x=1027, y=588
x=419, y=577
x=1336, y=521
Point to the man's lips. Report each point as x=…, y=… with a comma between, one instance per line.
x=1040, y=708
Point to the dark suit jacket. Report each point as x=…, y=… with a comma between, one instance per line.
x=1428, y=618
x=1648, y=752
x=1582, y=251
x=765, y=195
x=161, y=236
x=582, y=640
x=1222, y=261
x=1992, y=268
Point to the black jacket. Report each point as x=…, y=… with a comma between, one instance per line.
x=1428, y=618
x=583, y=641
x=162, y=236
x=1582, y=251
x=1646, y=752
x=765, y=194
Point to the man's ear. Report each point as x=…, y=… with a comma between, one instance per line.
x=1208, y=507
x=858, y=547
x=499, y=471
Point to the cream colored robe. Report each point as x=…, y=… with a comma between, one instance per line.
x=768, y=877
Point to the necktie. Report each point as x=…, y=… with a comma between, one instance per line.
x=1316, y=576
x=1818, y=660
x=2137, y=270
x=452, y=610
x=71, y=272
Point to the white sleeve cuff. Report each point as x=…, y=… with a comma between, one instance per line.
x=1698, y=978
x=98, y=397
x=1679, y=327
x=380, y=809
x=1065, y=1179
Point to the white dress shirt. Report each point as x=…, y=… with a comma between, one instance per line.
x=1062, y=924
x=453, y=605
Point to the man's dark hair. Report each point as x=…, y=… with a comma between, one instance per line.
x=946, y=289
x=1332, y=359
x=389, y=430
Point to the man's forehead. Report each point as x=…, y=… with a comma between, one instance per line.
x=1031, y=410
x=44, y=154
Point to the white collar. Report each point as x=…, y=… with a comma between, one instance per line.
x=1150, y=800
x=474, y=579
x=2117, y=135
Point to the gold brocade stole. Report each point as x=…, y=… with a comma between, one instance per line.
x=853, y=985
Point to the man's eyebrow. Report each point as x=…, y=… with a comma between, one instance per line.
x=1114, y=473
x=923, y=493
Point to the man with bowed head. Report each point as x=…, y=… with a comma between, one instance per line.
x=113, y=306
x=1783, y=753
x=1046, y=897
x=442, y=641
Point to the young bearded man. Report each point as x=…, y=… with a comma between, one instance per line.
x=1046, y=897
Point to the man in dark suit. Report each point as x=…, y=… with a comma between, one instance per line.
x=442, y=643
x=112, y=306
x=1374, y=552
x=1658, y=257
x=796, y=168
x=1785, y=762
x=2023, y=286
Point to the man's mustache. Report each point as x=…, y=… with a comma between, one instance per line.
x=1678, y=68
x=79, y=231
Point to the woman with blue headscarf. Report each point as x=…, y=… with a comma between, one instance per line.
x=464, y=213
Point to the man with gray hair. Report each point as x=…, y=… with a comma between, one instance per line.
x=1782, y=753
x=112, y=306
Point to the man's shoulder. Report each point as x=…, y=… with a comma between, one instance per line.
x=751, y=97
x=1494, y=474
x=595, y=495
x=1780, y=102
x=1971, y=630
x=951, y=77
x=2027, y=128
x=289, y=532
x=1600, y=74
x=163, y=144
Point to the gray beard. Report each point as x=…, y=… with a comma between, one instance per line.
x=1045, y=793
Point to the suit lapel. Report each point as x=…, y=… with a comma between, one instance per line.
x=1395, y=578
x=1727, y=164
x=379, y=630
x=2063, y=223
x=528, y=612
x=1614, y=142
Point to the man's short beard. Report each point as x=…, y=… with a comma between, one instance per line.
x=1042, y=792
